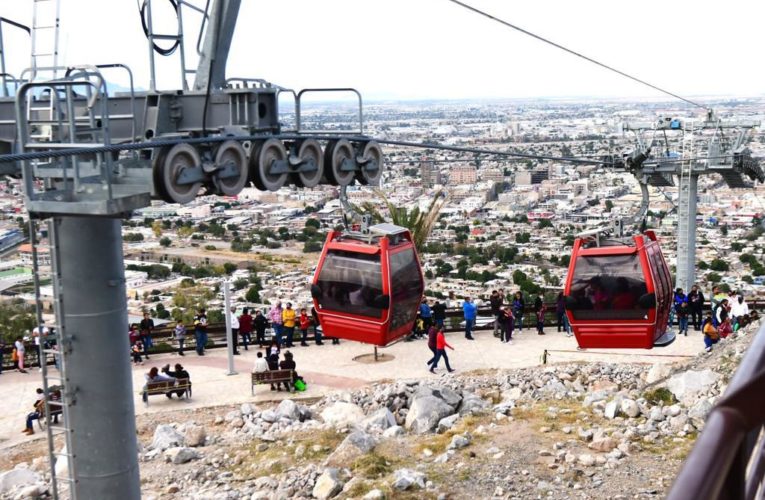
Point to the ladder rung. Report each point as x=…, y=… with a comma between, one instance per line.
x=46, y=27
x=65, y=479
x=43, y=54
x=166, y=37
x=60, y=454
x=51, y=351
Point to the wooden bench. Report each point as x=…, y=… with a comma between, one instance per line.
x=165, y=386
x=273, y=377
x=56, y=411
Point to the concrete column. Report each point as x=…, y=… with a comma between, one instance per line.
x=102, y=417
x=686, y=232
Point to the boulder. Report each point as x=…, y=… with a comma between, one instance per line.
x=269, y=416
x=343, y=414
x=512, y=394
x=612, y=408
x=288, y=409
x=425, y=413
x=603, y=445
x=586, y=460
x=353, y=446
x=194, y=435
x=395, y=431
x=688, y=384
x=246, y=409
x=165, y=436
x=404, y=479
x=374, y=494
x=630, y=408
x=16, y=478
x=459, y=441
x=657, y=372
x=472, y=404
x=327, y=485
x=698, y=413
x=382, y=419
x=181, y=455
x=447, y=423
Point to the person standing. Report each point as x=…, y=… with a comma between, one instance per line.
x=469, y=310
x=275, y=315
x=200, y=331
x=40, y=336
x=439, y=314
x=519, y=306
x=133, y=334
x=507, y=328
x=234, y=329
x=696, y=306
x=304, y=322
x=682, y=311
x=426, y=314
x=288, y=322
x=20, y=351
x=441, y=346
x=180, y=335
x=315, y=321
x=432, y=335
x=147, y=328
x=245, y=328
x=261, y=323
x=540, y=313
x=560, y=311
x=495, y=303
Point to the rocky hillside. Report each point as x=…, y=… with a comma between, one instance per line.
x=559, y=431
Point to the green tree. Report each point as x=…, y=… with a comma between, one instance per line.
x=713, y=277
x=543, y=223
x=312, y=246
x=420, y=223
x=314, y=223
x=609, y=205
x=165, y=241
x=719, y=265
x=17, y=318
x=253, y=294
x=229, y=267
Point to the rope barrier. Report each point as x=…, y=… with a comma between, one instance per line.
x=546, y=355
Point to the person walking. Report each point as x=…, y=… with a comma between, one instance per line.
x=261, y=323
x=245, y=328
x=147, y=329
x=519, y=307
x=304, y=321
x=277, y=323
x=441, y=346
x=469, y=310
x=20, y=351
x=288, y=322
x=200, y=331
x=180, y=336
x=439, y=314
x=560, y=311
x=432, y=335
x=696, y=306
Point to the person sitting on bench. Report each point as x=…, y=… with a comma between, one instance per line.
x=181, y=374
x=288, y=364
x=155, y=376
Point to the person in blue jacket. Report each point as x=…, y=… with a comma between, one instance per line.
x=426, y=314
x=470, y=312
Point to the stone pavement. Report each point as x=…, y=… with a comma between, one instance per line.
x=330, y=367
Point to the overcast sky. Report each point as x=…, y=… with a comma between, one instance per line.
x=412, y=49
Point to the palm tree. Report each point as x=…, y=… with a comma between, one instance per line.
x=419, y=222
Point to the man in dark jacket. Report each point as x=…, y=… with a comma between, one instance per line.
x=432, y=335
x=261, y=323
x=178, y=373
x=696, y=305
x=439, y=314
x=495, y=301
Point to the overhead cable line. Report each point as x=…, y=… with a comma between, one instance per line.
x=573, y=52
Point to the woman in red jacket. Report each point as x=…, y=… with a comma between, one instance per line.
x=441, y=346
x=305, y=323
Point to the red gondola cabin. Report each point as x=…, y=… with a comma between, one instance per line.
x=619, y=293
x=368, y=287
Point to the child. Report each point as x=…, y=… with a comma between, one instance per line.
x=180, y=336
x=711, y=336
x=304, y=322
x=682, y=317
x=725, y=328
x=541, y=319
x=136, y=350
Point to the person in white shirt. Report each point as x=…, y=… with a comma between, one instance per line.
x=261, y=365
x=20, y=351
x=234, y=330
x=38, y=333
x=739, y=308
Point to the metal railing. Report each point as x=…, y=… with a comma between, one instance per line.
x=728, y=459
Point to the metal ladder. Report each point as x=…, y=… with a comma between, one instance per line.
x=45, y=55
x=62, y=483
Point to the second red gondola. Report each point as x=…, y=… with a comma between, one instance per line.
x=619, y=293
x=368, y=286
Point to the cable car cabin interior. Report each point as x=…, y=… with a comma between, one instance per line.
x=368, y=287
x=619, y=293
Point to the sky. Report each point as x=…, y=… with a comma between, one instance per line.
x=435, y=49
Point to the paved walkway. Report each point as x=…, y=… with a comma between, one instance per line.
x=332, y=367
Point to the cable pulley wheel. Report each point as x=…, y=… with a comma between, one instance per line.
x=335, y=155
x=262, y=160
x=156, y=171
x=372, y=153
x=232, y=153
x=310, y=149
x=179, y=158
